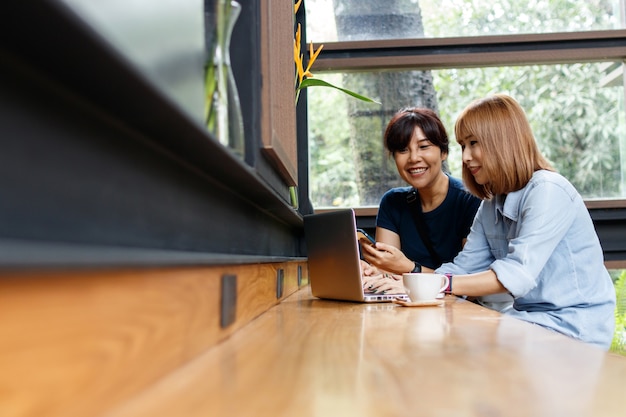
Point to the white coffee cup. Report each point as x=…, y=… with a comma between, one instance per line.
x=423, y=286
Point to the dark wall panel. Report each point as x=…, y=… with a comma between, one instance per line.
x=99, y=167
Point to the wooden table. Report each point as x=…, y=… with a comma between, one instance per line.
x=312, y=357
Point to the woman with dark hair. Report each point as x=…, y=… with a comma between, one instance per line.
x=420, y=226
x=532, y=237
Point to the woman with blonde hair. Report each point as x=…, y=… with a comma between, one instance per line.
x=533, y=237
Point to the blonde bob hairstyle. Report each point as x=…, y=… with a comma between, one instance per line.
x=510, y=154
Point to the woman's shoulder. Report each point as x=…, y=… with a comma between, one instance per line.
x=456, y=184
x=458, y=188
x=394, y=196
x=397, y=192
x=547, y=187
x=544, y=176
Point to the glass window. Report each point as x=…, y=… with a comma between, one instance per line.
x=576, y=111
x=346, y=20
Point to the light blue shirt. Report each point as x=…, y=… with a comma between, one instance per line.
x=541, y=243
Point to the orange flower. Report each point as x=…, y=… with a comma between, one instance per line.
x=298, y=57
x=303, y=76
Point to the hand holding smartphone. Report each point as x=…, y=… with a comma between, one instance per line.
x=364, y=237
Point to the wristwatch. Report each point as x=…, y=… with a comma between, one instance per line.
x=418, y=268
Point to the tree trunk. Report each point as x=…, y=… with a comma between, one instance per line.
x=375, y=19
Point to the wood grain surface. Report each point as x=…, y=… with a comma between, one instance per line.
x=76, y=343
x=311, y=357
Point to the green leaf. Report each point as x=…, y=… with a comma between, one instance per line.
x=315, y=82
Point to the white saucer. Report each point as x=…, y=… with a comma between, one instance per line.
x=425, y=303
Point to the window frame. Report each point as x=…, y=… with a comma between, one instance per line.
x=478, y=51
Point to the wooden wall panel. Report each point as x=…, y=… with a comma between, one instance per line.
x=77, y=343
x=278, y=110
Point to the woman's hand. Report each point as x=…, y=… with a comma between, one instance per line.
x=383, y=283
x=368, y=270
x=375, y=281
x=387, y=258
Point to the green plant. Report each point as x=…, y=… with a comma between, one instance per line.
x=619, y=338
x=304, y=77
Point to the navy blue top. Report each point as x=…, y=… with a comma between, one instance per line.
x=447, y=225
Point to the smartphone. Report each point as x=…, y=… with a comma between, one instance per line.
x=362, y=235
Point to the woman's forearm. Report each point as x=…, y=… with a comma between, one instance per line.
x=481, y=283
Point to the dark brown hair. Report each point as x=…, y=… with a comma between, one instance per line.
x=401, y=129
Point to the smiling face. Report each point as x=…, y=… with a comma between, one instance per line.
x=473, y=159
x=419, y=164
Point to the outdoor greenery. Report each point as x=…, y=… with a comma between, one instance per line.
x=576, y=122
x=619, y=339
x=577, y=117
x=483, y=17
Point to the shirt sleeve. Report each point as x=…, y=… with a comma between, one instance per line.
x=385, y=216
x=545, y=215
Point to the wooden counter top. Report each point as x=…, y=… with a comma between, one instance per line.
x=312, y=357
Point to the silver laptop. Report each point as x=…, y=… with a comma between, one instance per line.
x=333, y=258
